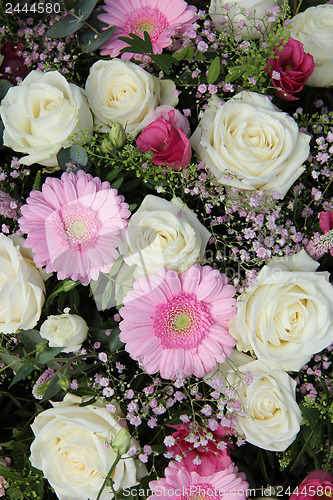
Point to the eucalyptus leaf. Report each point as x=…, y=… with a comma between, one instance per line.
x=65, y=27
x=78, y=155
x=84, y=8
x=97, y=40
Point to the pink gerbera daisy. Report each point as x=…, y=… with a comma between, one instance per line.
x=160, y=18
x=179, y=322
x=74, y=225
x=180, y=484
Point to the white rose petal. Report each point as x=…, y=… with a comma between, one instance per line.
x=235, y=12
x=272, y=417
x=121, y=91
x=65, y=330
x=163, y=234
x=22, y=289
x=248, y=143
x=287, y=317
x=314, y=28
x=70, y=447
x=41, y=114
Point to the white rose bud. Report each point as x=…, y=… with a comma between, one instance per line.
x=65, y=330
x=41, y=114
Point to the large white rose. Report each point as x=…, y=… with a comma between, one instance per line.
x=121, y=91
x=41, y=114
x=22, y=289
x=163, y=234
x=287, y=317
x=238, y=11
x=314, y=28
x=249, y=143
x=72, y=448
x=65, y=330
x=272, y=417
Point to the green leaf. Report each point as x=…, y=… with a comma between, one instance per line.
x=184, y=53
x=115, y=266
x=25, y=370
x=30, y=338
x=37, y=186
x=114, y=341
x=49, y=353
x=234, y=73
x=128, y=273
x=111, y=175
x=107, y=294
x=78, y=155
x=4, y=87
x=89, y=402
x=84, y=8
x=97, y=40
x=64, y=286
x=118, y=183
x=311, y=415
x=214, y=70
x=2, y=128
x=11, y=361
x=65, y=27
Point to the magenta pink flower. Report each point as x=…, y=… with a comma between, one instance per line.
x=160, y=18
x=180, y=484
x=170, y=146
x=211, y=457
x=326, y=225
x=316, y=486
x=74, y=225
x=179, y=322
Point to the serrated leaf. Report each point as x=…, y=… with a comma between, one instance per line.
x=49, y=353
x=96, y=41
x=214, y=70
x=65, y=27
x=234, y=73
x=4, y=87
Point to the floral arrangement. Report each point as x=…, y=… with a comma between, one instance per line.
x=166, y=202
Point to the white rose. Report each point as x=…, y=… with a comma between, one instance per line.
x=272, y=417
x=121, y=91
x=287, y=317
x=22, y=289
x=314, y=28
x=249, y=143
x=163, y=234
x=40, y=114
x=251, y=12
x=65, y=330
x=69, y=447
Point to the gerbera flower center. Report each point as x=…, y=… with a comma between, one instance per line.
x=182, y=323
x=78, y=226
x=146, y=19
x=202, y=491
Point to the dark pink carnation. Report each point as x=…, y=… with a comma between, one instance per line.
x=290, y=69
x=170, y=146
x=326, y=224
x=212, y=457
x=316, y=486
x=172, y=115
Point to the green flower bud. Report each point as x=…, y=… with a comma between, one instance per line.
x=64, y=383
x=107, y=146
x=117, y=135
x=121, y=442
